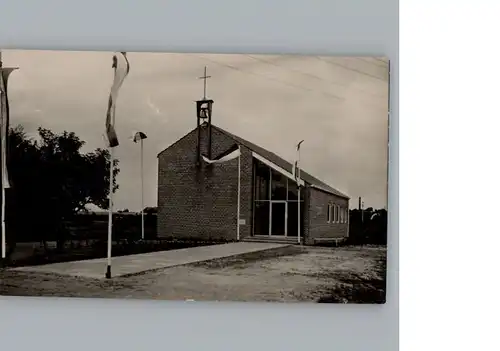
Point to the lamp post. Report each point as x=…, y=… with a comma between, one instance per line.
x=139, y=138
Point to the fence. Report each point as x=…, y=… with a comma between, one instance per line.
x=84, y=227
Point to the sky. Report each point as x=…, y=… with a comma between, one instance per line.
x=337, y=105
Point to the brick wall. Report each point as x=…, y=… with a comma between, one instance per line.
x=317, y=221
x=202, y=203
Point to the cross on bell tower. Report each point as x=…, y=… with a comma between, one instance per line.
x=204, y=115
x=205, y=77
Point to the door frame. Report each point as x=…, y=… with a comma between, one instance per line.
x=271, y=202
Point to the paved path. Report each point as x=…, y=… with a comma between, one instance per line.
x=134, y=264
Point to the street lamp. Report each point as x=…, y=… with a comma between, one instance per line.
x=139, y=138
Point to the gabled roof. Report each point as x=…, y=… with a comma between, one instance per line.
x=313, y=181
x=272, y=157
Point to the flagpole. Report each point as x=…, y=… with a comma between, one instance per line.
x=142, y=188
x=110, y=210
x=4, y=243
x=119, y=76
x=3, y=185
x=4, y=113
x=298, y=194
x=239, y=193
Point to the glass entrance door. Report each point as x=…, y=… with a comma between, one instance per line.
x=278, y=218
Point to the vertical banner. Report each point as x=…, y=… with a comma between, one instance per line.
x=122, y=68
x=4, y=123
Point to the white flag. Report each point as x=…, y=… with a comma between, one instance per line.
x=229, y=155
x=4, y=123
x=121, y=67
x=296, y=169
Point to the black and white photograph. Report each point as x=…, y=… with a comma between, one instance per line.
x=194, y=177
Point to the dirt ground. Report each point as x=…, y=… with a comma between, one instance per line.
x=343, y=275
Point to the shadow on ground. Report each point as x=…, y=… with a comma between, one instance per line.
x=245, y=260
x=358, y=288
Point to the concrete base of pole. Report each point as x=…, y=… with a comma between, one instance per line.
x=108, y=272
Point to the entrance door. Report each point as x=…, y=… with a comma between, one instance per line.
x=278, y=218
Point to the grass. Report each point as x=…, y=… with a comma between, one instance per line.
x=341, y=285
x=367, y=286
x=353, y=287
x=243, y=260
x=292, y=273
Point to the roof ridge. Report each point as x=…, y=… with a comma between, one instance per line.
x=309, y=178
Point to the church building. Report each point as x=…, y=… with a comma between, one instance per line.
x=214, y=185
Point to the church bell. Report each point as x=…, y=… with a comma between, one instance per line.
x=204, y=116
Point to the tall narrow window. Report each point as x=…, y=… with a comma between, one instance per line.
x=334, y=220
x=262, y=182
x=337, y=217
x=278, y=186
x=329, y=214
x=341, y=215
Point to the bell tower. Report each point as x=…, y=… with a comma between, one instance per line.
x=204, y=115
